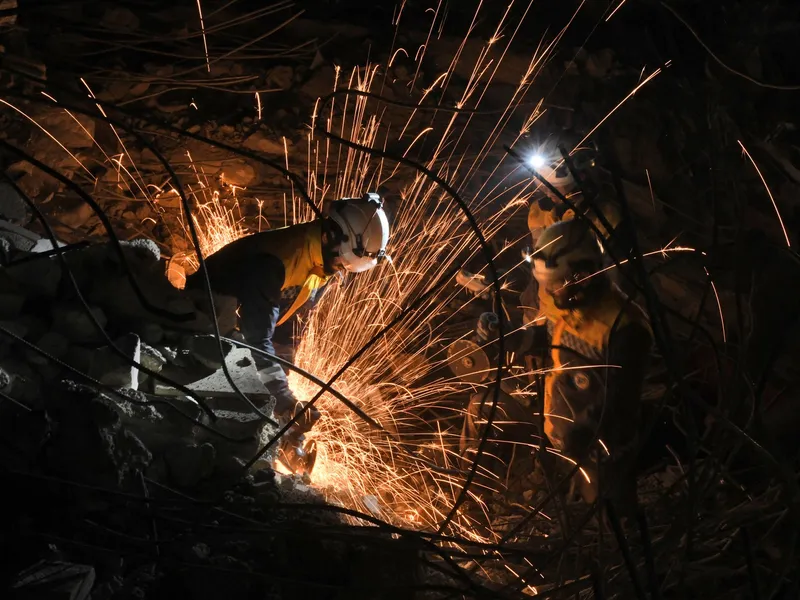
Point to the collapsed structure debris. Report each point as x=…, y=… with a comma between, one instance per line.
x=139, y=470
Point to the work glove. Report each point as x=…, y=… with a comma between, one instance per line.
x=476, y=285
x=487, y=327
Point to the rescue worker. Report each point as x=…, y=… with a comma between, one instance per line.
x=588, y=194
x=598, y=343
x=547, y=208
x=256, y=270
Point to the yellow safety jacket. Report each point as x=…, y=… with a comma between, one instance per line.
x=544, y=212
x=299, y=247
x=579, y=339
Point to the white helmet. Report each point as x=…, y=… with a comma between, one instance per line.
x=549, y=163
x=366, y=228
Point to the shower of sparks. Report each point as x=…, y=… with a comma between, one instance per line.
x=401, y=382
x=769, y=193
x=203, y=32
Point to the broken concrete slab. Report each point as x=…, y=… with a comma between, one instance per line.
x=20, y=238
x=243, y=372
x=205, y=349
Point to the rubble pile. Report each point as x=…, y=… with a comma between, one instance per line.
x=92, y=417
x=123, y=443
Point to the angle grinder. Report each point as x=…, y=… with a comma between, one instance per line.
x=472, y=360
x=295, y=452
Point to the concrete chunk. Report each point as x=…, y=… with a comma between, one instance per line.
x=243, y=372
x=12, y=206
x=10, y=305
x=20, y=238
x=38, y=277
x=53, y=343
x=76, y=325
x=205, y=349
x=111, y=369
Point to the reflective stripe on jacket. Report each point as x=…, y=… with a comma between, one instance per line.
x=576, y=387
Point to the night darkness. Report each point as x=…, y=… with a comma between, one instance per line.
x=143, y=448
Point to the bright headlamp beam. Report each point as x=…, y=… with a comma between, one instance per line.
x=536, y=161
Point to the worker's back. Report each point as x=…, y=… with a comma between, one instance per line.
x=294, y=251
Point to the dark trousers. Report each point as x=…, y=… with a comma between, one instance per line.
x=256, y=283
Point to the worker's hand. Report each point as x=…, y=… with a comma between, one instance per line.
x=487, y=327
x=475, y=285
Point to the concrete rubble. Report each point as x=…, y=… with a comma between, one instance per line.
x=82, y=421
x=130, y=435
x=77, y=400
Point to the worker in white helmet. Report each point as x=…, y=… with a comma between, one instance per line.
x=598, y=343
x=256, y=270
x=547, y=208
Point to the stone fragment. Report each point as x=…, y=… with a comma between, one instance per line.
x=79, y=358
x=151, y=333
x=152, y=359
x=63, y=127
x=37, y=277
x=281, y=76
x=205, y=349
x=111, y=369
x=45, y=245
x=16, y=327
x=19, y=237
x=170, y=354
x=90, y=443
x=10, y=305
x=599, y=65
x=268, y=145
x=76, y=325
x=6, y=250
x=12, y=206
x=76, y=215
x=238, y=173
x=176, y=273
x=189, y=464
x=53, y=343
